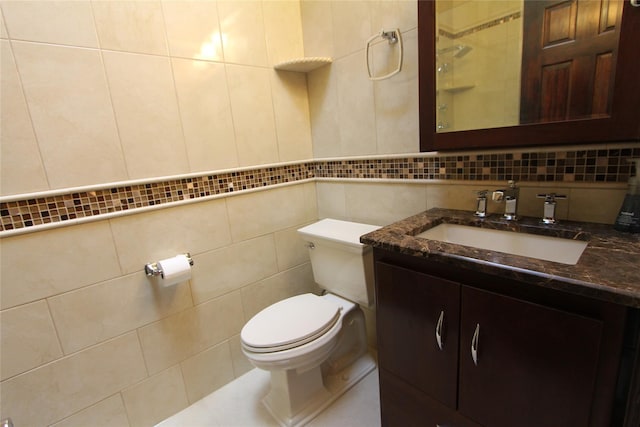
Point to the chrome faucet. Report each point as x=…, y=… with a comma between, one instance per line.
x=549, y=216
x=510, y=197
x=481, y=206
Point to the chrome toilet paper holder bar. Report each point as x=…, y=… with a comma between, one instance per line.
x=152, y=268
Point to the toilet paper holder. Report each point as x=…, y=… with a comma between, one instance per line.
x=152, y=269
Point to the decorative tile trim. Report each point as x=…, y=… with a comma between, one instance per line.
x=606, y=165
x=602, y=165
x=483, y=26
x=31, y=212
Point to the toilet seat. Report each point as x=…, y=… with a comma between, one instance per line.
x=290, y=323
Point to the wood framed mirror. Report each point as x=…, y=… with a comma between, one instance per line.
x=587, y=106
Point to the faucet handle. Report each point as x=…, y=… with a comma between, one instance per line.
x=551, y=197
x=482, y=193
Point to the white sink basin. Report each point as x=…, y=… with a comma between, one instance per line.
x=547, y=248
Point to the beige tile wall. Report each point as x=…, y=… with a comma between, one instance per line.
x=97, y=92
x=351, y=115
x=86, y=334
x=105, y=91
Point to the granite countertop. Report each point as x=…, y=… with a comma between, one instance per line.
x=609, y=268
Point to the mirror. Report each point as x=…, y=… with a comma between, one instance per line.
x=500, y=73
x=478, y=64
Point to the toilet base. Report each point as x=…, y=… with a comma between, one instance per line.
x=295, y=399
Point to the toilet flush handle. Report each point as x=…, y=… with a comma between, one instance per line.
x=310, y=245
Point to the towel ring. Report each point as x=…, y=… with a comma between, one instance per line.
x=393, y=37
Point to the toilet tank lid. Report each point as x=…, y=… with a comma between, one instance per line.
x=338, y=230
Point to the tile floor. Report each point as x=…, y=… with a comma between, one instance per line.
x=238, y=404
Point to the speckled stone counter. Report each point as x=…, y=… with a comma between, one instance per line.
x=609, y=268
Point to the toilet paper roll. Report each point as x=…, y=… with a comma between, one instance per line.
x=174, y=270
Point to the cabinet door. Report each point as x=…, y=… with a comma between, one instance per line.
x=523, y=365
x=418, y=323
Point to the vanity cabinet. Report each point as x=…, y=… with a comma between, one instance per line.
x=462, y=349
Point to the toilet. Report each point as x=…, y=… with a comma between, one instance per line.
x=315, y=347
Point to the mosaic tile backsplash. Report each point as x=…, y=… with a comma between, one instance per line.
x=588, y=166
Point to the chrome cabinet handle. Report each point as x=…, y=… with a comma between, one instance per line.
x=439, y=329
x=474, y=344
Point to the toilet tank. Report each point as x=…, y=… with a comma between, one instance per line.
x=341, y=264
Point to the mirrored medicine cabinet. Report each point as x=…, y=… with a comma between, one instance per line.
x=509, y=73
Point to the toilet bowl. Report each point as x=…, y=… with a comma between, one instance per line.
x=315, y=347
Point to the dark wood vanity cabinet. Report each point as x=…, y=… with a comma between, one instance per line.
x=453, y=352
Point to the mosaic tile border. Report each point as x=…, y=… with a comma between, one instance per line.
x=483, y=26
x=585, y=166
x=64, y=207
x=602, y=165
